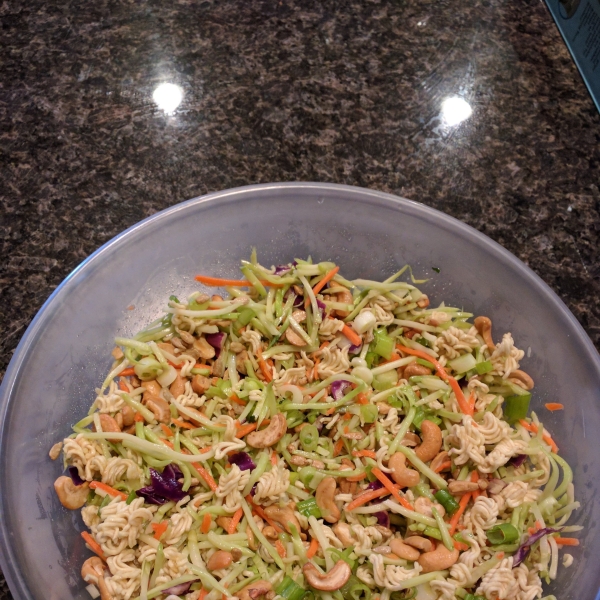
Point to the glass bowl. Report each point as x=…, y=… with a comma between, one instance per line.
x=64, y=354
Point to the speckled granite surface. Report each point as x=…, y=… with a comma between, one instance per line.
x=346, y=91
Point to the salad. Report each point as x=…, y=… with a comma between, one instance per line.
x=313, y=437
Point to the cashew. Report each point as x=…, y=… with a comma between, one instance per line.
x=522, y=378
x=344, y=298
x=224, y=522
x=437, y=560
x=255, y=590
x=462, y=487
x=178, y=386
x=219, y=560
x=484, y=327
x=347, y=487
x=55, y=450
x=424, y=505
x=317, y=464
x=344, y=534
x=265, y=438
x=240, y=361
x=327, y=582
x=117, y=353
x=236, y=553
x=414, y=369
x=270, y=532
x=423, y=301
x=200, y=384
x=495, y=486
x=187, y=337
x=152, y=387
x=284, y=516
x=299, y=461
x=420, y=543
x=159, y=407
x=109, y=424
x=93, y=571
x=383, y=408
x=483, y=484
x=292, y=337
x=432, y=441
x=178, y=343
x=251, y=540
x=401, y=474
x=325, y=497
x=401, y=550
x=411, y=439
x=71, y=496
x=204, y=348
x=440, y=459
x=384, y=531
x=128, y=415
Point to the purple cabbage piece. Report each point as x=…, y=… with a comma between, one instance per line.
x=179, y=590
x=74, y=475
x=281, y=269
x=354, y=349
x=253, y=490
x=322, y=306
x=165, y=486
x=298, y=300
x=243, y=460
x=523, y=551
x=383, y=518
x=375, y=485
x=216, y=340
x=338, y=389
x=518, y=460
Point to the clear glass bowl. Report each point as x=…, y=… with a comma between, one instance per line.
x=65, y=352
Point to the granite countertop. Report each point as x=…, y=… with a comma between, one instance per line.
x=351, y=92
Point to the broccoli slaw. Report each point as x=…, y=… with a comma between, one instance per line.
x=314, y=436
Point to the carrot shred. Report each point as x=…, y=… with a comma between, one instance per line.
x=159, y=529
x=212, y=484
x=182, y=424
x=280, y=549
x=264, y=369
x=337, y=449
x=460, y=546
x=471, y=401
x=202, y=366
x=475, y=478
x=98, y=485
x=533, y=428
x=219, y=282
x=358, y=477
x=138, y=418
x=321, y=284
x=206, y=521
x=367, y=453
x=273, y=458
x=243, y=430
x=395, y=356
x=234, y=398
x=462, y=506
x=460, y=397
x=352, y=335
x=123, y=386
x=262, y=514
x=128, y=372
x=552, y=406
x=443, y=466
x=366, y=497
x=312, y=549
x=237, y=517
x=93, y=544
x=166, y=430
x=362, y=399
x=566, y=541
x=203, y=594
x=168, y=443
x=391, y=488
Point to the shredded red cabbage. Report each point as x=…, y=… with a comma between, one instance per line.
x=216, y=340
x=74, y=475
x=179, y=590
x=518, y=460
x=243, y=461
x=354, y=349
x=281, y=269
x=523, y=551
x=375, y=485
x=322, y=306
x=383, y=518
x=165, y=486
x=338, y=389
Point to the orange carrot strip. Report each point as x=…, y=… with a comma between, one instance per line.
x=168, y=443
x=462, y=506
x=475, y=479
x=245, y=430
x=312, y=549
x=321, y=284
x=366, y=497
x=159, y=528
x=237, y=517
x=264, y=369
x=460, y=546
x=533, y=428
x=352, y=335
x=93, y=544
x=280, y=549
x=203, y=594
x=395, y=356
x=182, y=424
x=368, y=453
x=362, y=399
x=123, y=386
x=471, y=401
x=262, y=514
x=359, y=477
x=237, y=400
x=565, y=541
x=337, y=449
x=128, y=372
x=460, y=397
x=166, y=430
x=98, y=485
x=392, y=489
x=273, y=458
x=206, y=521
x=219, y=282
x=201, y=366
x=554, y=406
x=212, y=484
x=138, y=418
x=443, y=466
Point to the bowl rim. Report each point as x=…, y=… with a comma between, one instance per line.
x=16, y=581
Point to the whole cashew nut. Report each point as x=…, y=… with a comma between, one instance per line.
x=265, y=438
x=401, y=474
x=325, y=498
x=344, y=534
x=402, y=550
x=93, y=571
x=284, y=516
x=255, y=590
x=109, y=424
x=437, y=560
x=128, y=415
x=432, y=441
x=344, y=297
x=484, y=328
x=159, y=407
x=152, y=387
x=522, y=378
x=414, y=369
x=292, y=337
x=327, y=582
x=71, y=496
x=420, y=543
x=462, y=487
x=178, y=386
x=221, y=559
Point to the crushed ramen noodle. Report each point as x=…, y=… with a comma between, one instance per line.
x=321, y=438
